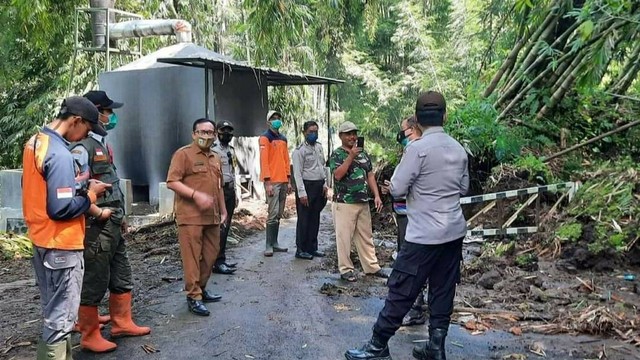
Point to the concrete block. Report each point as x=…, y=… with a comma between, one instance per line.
x=11, y=220
x=127, y=192
x=165, y=200
x=11, y=188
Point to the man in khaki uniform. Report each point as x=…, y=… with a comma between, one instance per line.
x=195, y=176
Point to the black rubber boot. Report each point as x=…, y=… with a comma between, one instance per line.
x=374, y=349
x=268, y=251
x=434, y=348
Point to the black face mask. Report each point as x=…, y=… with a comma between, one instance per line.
x=225, y=138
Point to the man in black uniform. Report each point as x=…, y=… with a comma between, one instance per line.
x=228, y=159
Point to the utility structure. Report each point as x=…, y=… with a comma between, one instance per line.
x=165, y=91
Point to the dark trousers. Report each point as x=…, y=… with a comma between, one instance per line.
x=309, y=216
x=106, y=261
x=230, y=203
x=415, y=264
x=403, y=221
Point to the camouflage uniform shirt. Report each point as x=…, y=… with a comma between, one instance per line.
x=352, y=188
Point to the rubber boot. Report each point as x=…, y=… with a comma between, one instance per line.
x=268, y=251
x=276, y=246
x=57, y=351
x=69, y=349
x=102, y=320
x=91, y=338
x=434, y=348
x=121, y=322
x=374, y=349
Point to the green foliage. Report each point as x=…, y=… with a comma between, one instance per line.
x=536, y=168
x=569, y=232
x=610, y=202
x=476, y=127
x=524, y=260
x=15, y=246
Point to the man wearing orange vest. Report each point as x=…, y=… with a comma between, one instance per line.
x=275, y=173
x=54, y=213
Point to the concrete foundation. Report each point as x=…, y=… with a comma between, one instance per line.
x=165, y=200
x=11, y=188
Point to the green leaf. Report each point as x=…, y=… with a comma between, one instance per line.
x=585, y=29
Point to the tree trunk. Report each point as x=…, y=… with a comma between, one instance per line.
x=565, y=85
x=530, y=53
x=563, y=60
x=507, y=64
x=626, y=77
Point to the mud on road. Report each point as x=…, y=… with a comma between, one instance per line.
x=286, y=308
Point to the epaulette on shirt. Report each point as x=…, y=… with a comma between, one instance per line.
x=184, y=147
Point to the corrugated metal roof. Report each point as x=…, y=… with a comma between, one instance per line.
x=189, y=54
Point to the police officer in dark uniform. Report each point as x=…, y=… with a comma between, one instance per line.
x=432, y=175
x=229, y=161
x=106, y=261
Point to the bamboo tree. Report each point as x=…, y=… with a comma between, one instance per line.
x=565, y=84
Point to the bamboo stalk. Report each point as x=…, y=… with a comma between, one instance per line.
x=515, y=215
x=533, y=45
x=592, y=140
x=508, y=63
x=529, y=86
x=565, y=85
x=532, y=55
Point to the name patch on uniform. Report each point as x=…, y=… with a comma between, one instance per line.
x=64, y=193
x=198, y=163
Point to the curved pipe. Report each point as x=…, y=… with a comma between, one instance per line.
x=141, y=28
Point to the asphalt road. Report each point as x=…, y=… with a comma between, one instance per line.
x=272, y=309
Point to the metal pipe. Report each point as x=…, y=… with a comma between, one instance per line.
x=141, y=28
x=99, y=21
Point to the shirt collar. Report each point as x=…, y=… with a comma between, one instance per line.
x=55, y=134
x=99, y=138
x=433, y=130
x=197, y=149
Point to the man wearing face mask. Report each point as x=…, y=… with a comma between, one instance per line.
x=311, y=191
x=195, y=176
x=409, y=132
x=432, y=175
x=228, y=159
x=275, y=173
x=105, y=251
x=54, y=210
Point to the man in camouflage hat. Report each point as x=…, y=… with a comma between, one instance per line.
x=351, y=168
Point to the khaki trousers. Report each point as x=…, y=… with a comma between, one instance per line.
x=353, y=221
x=199, y=247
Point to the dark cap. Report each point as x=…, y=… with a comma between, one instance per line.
x=80, y=106
x=100, y=99
x=224, y=124
x=431, y=100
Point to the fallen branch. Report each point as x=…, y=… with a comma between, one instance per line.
x=590, y=141
x=502, y=313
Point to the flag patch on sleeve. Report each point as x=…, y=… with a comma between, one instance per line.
x=99, y=152
x=64, y=193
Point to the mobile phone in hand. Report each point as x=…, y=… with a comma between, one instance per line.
x=360, y=142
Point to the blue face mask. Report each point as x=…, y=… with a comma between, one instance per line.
x=404, y=142
x=312, y=137
x=276, y=124
x=113, y=121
